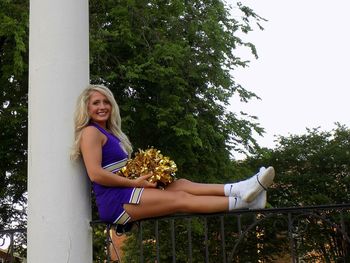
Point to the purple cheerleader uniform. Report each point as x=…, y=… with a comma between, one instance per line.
x=110, y=200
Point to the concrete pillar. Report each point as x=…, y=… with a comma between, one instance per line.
x=58, y=190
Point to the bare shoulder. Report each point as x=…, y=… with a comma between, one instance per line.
x=92, y=133
x=90, y=145
x=90, y=130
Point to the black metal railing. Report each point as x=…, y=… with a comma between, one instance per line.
x=13, y=239
x=293, y=234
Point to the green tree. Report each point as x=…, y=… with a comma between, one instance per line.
x=170, y=66
x=312, y=169
x=13, y=110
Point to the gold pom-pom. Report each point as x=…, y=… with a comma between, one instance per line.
x=151, y=161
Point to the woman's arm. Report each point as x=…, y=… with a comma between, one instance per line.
x=91, y=147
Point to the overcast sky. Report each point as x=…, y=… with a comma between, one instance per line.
x=302, y=74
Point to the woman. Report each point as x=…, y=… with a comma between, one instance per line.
x=105, y=149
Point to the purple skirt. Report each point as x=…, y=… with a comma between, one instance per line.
x=110, y=201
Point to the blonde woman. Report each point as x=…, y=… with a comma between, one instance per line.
x=104, y=148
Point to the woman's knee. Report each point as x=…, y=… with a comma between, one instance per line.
x=180, y=185
x=181, y=200
x=183, y=181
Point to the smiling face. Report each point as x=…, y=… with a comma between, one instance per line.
x=99, y=108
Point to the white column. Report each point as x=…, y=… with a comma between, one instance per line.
x=58, y=189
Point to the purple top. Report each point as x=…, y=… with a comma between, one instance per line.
x=109, y=200
x=112, y=152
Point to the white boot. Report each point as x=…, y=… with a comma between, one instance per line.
x=249, y=189
x=258, y=203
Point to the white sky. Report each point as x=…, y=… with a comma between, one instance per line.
x=302, y=74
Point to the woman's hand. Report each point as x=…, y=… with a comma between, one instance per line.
x=142, y=181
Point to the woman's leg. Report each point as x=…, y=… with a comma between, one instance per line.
x=248, y=189
x=196, y=188
x=155, y=202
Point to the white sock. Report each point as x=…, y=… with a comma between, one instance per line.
x=250, y=188
x=258, y=203
x=232, y=203
x=228, y=189
x=236, y=203
x=238, y=188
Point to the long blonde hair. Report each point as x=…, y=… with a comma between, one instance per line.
x=82, y=119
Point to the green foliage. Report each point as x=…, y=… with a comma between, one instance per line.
x=169, y=67
x=13, y=110
x=169, y=64
x=181, y=229
x=312, y=169
x=99, y=244
x=258, y=243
